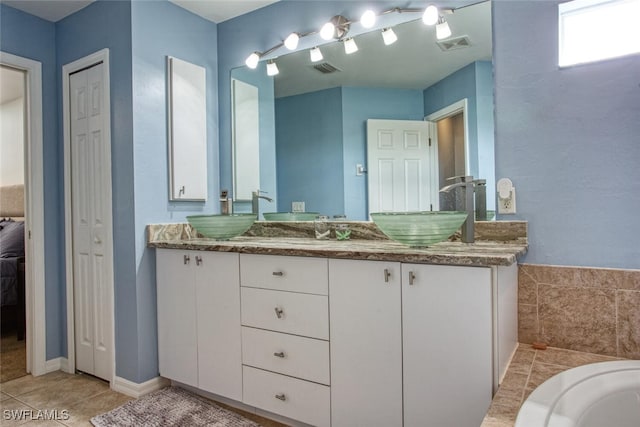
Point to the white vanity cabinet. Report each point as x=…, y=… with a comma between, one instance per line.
x=199, y=340
x=409, y=342
x=285, y=336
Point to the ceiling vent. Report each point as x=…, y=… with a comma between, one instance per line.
x=456, y=43
x=326, y=68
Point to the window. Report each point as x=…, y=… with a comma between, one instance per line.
x=594, y=30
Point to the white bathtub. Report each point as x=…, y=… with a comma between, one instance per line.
x=603, y=394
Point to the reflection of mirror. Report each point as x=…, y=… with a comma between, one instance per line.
x=320, y=118
x=187, y=130
x=245, y=135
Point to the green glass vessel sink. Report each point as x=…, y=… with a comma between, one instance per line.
x=221, y=227
x=419, y=229
x=290, y=216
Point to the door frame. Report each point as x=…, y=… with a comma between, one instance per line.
x=461, y=106
x=34, y=214
x=67, y=70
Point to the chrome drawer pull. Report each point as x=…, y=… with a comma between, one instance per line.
x=387, y=275
x=279, y=312
x=281, y=396
x=279, y=354
x=412, y=277
x=278, y=273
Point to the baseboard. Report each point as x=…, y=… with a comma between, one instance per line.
x=136, y=390
x=57, y=364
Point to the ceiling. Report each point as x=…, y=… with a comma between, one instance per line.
x=414, y=61
x=213, y=10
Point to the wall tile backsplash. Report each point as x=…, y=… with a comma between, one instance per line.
x=594, y=310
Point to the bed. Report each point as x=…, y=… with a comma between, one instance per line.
x=12, y=258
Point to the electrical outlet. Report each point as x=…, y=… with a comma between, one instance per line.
x=297, y=207
x=507, y=205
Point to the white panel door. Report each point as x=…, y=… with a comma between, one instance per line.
x=91, y=223
x=400, y=166
x=447, y=345
x=218, y=323
x=366, y=343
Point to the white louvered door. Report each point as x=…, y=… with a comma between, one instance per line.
x=91, y=223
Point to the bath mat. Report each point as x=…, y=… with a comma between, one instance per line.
x=171, y=406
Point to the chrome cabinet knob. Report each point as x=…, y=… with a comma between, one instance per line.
x=186, y=259
x=412, y=277
x=279, y=354
x=281, y=396
x=278, y=273
x=198, y=260
x=279, y=312
x=387, y=275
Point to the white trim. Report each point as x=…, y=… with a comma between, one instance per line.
x=34, y=215
x=57, y=364
x=452, y=110
x=136, y=390
x=67, y=70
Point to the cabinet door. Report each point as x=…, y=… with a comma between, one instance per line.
x=218, y=315
x=366, y=343
x=447, y=342
x=177, y=337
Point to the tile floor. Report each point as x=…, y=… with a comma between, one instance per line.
x=82, y=396
x=528, y=369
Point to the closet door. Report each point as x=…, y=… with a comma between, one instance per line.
x=91, y=223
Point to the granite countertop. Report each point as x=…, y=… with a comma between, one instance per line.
x=481, y=253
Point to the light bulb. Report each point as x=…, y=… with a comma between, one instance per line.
x=327, y=31
x=442, y=29
x=388, y=36
x=431, y=15
x=368, y=19
x=252, y=60
x=291, y=42
x=272, y=68
x=315, y=54
x=350, y=46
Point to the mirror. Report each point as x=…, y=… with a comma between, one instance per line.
x=319, y=127
x=245, y=134
x=187, y=122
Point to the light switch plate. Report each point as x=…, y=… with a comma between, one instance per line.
x=297, y=207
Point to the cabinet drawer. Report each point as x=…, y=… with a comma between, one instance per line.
x=301, y=400
x=293, y=313
x=285, y=273
x=299, y=357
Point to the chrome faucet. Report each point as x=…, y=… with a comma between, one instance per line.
x=255, y=206
x=467, y=185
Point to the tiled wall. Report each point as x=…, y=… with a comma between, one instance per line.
x=595, y=310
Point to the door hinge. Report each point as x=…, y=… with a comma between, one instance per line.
x=29, y=234
x=429, y=141
x=431, y=207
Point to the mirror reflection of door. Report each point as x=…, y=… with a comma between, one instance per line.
x=402, y=166
x=451, y=157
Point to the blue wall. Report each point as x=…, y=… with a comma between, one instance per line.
x=25, y=35
x=570, y=141
x=309, y=151
x=358, y=105
x=161, y=29
x=474, y=82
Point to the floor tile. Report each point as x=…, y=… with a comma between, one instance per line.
x=18, y=412
x=59, y=395
x=81, y=412
x=30, y=383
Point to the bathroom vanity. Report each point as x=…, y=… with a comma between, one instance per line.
x=327, y=333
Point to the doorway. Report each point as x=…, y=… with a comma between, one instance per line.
x=32, y=203
x=88, y=216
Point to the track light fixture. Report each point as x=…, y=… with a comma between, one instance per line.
x=442, y=29
x=388, y=36
x=350, y=46
x=291, y=42
x=338, y=27
x=315, y=54
x=272, y=68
